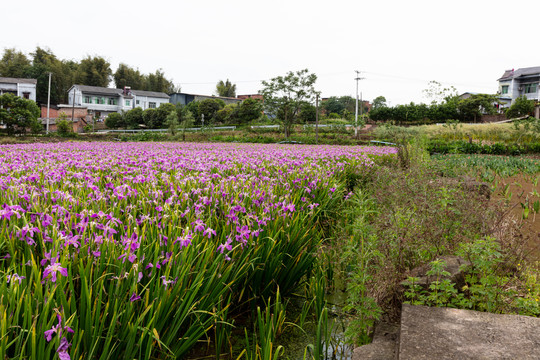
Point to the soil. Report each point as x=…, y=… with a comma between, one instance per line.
x=523, y=191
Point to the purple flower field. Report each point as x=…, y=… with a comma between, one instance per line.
x=137, y=249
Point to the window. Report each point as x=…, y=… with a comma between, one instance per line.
x=128, y=102
x=99, y=100
x=138, y=101
x=87, y=100
x=530, y=88
x=113, y=101
x=152, y=105
x=504, y=89
x=26, y=95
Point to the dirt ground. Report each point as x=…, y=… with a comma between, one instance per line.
x=521, y=192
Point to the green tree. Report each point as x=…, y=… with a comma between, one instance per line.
x=378, y=102
x=307, y=113
x=249, y=110
x=186, y=120
x=17, y=113
x=94, y=71
x=474, y=106
x=162, y=112
x=521, y=107
x=226, y=89
x=114, y=121
x=150, y=118
x=439, y=94
x=14, y=64
x=172, y=122
x=134, y=118
x=333, y=105
x=127, y=76
x=228, y=115
x=209, y=108
x=158, y=82
x=284, y=96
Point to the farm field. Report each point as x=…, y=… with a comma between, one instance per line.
x=143, y=250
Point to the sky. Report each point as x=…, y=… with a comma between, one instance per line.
x=398, y=46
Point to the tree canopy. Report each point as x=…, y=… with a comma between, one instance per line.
x=226, y=89
x=284, y=96
x=18, y=114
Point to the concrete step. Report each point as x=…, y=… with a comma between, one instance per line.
x=384, y=345
x=444, y=333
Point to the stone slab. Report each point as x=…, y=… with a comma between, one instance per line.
x=384, y=345
x=444, y=333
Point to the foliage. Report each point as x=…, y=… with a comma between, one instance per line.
x=14, y=64
x=159, y=83
x=284, y=96
x=162, y=112
x=521, y=107
x=474, y=106
x=186, y=120
x=226, y=89
x=208, y=108
x=486, y=287
x=228, y=115
x=134, y=118
x=143, y=250
x=64, y=127
x=378, y=102
x=307, y=113
x=150, y=118
x=172, y=122
x=114, y=121
x=127, y=76
x=249, y=110
x=93, y=71
x=415, y=114
x=17, y=113
x=439, y=94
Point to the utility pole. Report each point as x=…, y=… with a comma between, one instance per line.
x=317, y=119
x=49, y=102
x=356, y=112
x=73, y=109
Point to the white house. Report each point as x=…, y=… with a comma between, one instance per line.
x=516, y=83
x=102, y=101
x=25, y=88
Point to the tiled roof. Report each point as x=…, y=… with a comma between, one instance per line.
x=510, y=74
x=99, y=90
x=150, y=94
x=7, y=80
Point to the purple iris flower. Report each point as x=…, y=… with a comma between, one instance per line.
x=52, y=269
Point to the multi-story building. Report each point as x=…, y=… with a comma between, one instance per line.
x=102, y=101
x=516, y=83
x=184, y=99
x=25, y=88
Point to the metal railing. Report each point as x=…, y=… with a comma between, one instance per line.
x=166, y=130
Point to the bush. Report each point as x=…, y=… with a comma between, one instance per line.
x=63, y=127
x=521, y=107
x=114, y=121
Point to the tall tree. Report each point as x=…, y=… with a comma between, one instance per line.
x=45, y=62
x=94, y=71
x=439, y=94
x=378, y=102
x=14, y=64
x=226, y=89
x=18, y=114
x=158, y=82
x=284, y=96
x=128, y=76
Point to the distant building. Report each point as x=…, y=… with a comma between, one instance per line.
x=516, y=83
x=184, y=98
x=251, y=96
x=25, y=88
x=101, y=101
